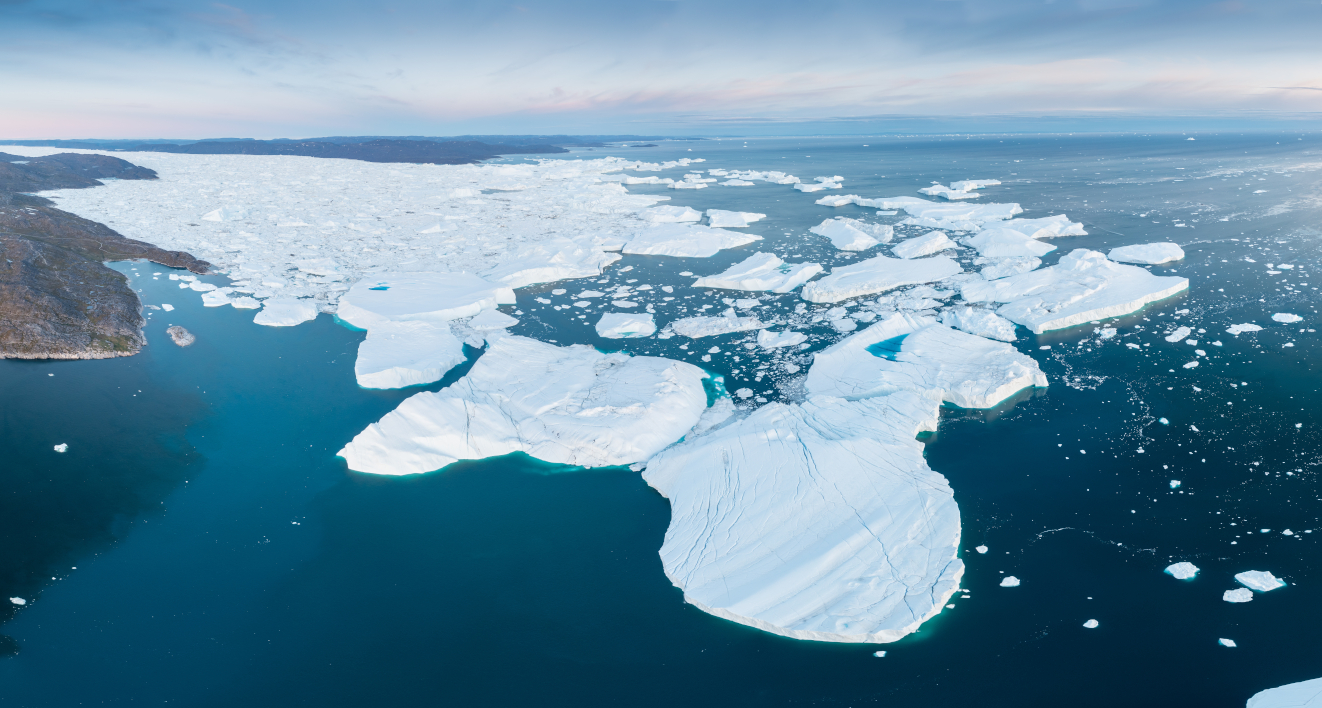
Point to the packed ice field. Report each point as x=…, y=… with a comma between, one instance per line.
x=801, y=501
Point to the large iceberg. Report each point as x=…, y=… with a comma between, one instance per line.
x=876, y=275
x=815, y=521
x=907, y=353
x=762, y=272
x=572, y=405
x=1305, y=694
x=686, y=240
x=1260, y=580
x=1147, y=253
x=1082, y=287
x=852, y=234
x=407, y=353
x=976, y=320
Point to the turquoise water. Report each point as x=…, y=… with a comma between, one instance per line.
x=224, y=555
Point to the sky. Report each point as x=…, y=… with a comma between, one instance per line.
x=303, y=68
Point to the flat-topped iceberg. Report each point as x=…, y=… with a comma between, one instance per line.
x=684, y=240
x=1003, y=242
x=1238, y=595
x=907, y=353
x=852, y=234
x=876, y=275
x=720, y=218
x=979, y=321
x=925, y=245
x=552, y=260
x=406, y=353
x=695, y=327
x=816, y=521
x=286, y=312
x=1184, y=570
x=1242, y=328
x=1082, y=287
x=1260, y=580
x=1286, y=318
x=774, y=340
x=572, y=405
x=434, y=297
x=670, y=214
x=1046, y=227
x=1147, y=253
x=1305, y=694
x=622, y=325
x=993, y=268
x=761, y=272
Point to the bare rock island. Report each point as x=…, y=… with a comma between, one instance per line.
x=57, y=298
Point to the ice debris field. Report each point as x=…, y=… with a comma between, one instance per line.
x=805, y=507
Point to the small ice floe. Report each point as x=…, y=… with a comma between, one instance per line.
x=720, y=218
x=1260, y=580
x=1191, y=365
x=62, y=447
x=774, y=340
x=1238, y=595
x=670, y=214
x=1009, y=581
x=925, y=245
x=1163, y=421
x=1286, y=318
x=1090, y=624
x=286, y=312
x=1147, y=253
x=701, y=326
x=167, y=307
x=879, y=654
x=761, y=271
x=18, y=601
x=852, y=234
x=1184, y=570
x=620, y=325
x=1287, y=532
x=1175, y=483
x=1178, y=334
x=181, y=336
x=1223, y=641
x=981, y=549
x=1241, y=328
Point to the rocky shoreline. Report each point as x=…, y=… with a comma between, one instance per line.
x=58, y=300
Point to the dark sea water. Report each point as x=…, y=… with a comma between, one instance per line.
x=224, y=556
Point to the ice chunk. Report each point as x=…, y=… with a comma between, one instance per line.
x=180, y=336
x=899, y=353
x=1090, y=624
x=981, y=549
x=816, y=186
x=938, y=190
x=1223, y=641
x=621, y=325
x=1147, y=253
x=318, y=266
x=1178, y=334
x=1239, y=595
x=1083, y=286
x=1183, y=570
x=1046, y=227
x=670, y=214
x=1241, y=328
x=852, y=234
x=549, y=261
x=773, y=340
x=1286, y=318
x=924, y=245
x=406, y=353
x=286, y=312
x=993, y=268
x=1304, y=694
x=695, y=327
x=970, y=184
x=17, y=601
x=1260, y=580
x=761, y=271
x=1009, y=581
x=167, y=307
x=62, y=447
x=976, y=320
x=488, y=320
x=878, y=274
x=227, y=213
x=435, y=297
x=216, y=298
x=571, y=405
x=1007, y=243
x=686, y=241
x=817, y=521
x=720, y=218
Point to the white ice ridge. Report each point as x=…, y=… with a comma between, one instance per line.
x=1238, y=595
x=1147, y=253
x=622, y=325
x=1083, y=286
x=852, y=234
x=878, y=274
x=685, y=240
x=907, y=353
x=761, y=271
x=695, y=327
x=670, y=214
x=1184, y=570
x=1305, y=694
x=572, y=405
x=516, y=224
x=1260, y=580
x=817, y=521
x=720, y=218
x=925, y=245
x=979, y=321
x=406, y=353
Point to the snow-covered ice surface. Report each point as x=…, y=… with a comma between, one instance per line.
x=704, y=326
x=1260, y=580
x=571, y=405
x=818, y=520
x=433, y=297
x=721, y=218
x=1286, y=318
x=1147, y=253
x=904, y=353
x=761, y=272
x=1083, y=286
x=685, y=241
x=853, y=235
x=623, y=325
x=876, y=275
x=406, y=353
x=286, y=312
x=979, y=321
x=1304, y=694
x=1002, y=242
x=1238, y=595
x=1010, y=581
x=670, y=214
x=1183, y=570
x=924, y=245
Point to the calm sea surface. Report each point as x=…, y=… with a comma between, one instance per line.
x=200, y=544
